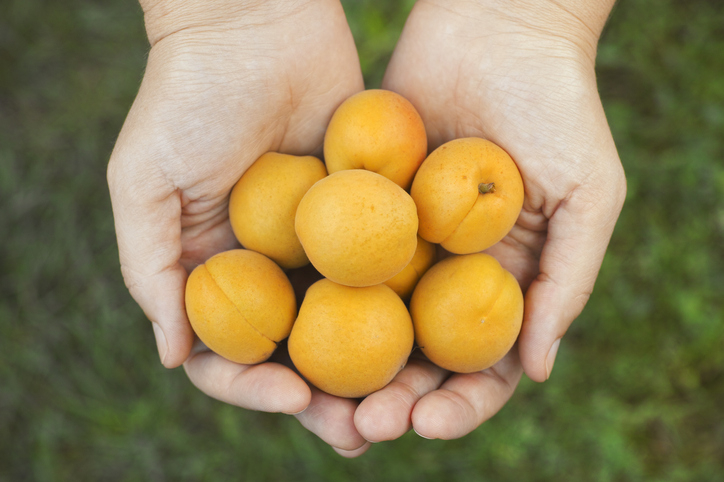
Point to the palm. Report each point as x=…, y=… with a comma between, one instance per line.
x=212, y=101
x=531, y=94
x=219, y=103
x=476, y=73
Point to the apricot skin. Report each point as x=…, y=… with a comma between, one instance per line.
x=376, y=130
x=240, y=304
x=264, y=202
x=451, y=209
x=467, y=311
x=350, y=342
x=357, y=227
x=404, y=282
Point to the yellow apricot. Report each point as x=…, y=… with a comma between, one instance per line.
x=264, y=202
x=376, y=130
x=469, y=194
x=404, y=282
x=357, y=227
x=467, y=311
x=350, y=342
x=240, y=304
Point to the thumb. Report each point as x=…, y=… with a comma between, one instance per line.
x=578, y=235
x=147, y=215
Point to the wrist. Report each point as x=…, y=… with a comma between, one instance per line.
x=583, y=17
x=577, y=21
x=165, y=17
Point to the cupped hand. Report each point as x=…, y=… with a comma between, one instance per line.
x=521, y=75
x=223, y=85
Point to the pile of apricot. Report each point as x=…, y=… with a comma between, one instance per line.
x=369, y=219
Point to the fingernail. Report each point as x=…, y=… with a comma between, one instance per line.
x=351, y=453
x=160, y=341
x=295, y=413
x=418, y=433
x=551, y=358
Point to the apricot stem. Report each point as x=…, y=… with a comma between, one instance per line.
x=484, y=188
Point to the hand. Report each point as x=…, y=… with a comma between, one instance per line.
x=223, y=85
x=522, y=76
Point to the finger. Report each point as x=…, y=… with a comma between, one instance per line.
x=147, y=212
x=267, y=387
x=578, y=235
x=350, y=454
x=332, y=419
x=519, y=253
x=387, y=413
x=465, y=401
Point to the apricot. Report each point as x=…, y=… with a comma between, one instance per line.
x=350, y=342
x=264, y=202
x=405, y=281
x=240, y=304
x=357, y=227
x=469, y=194
x=467, y=311
x=376, y=130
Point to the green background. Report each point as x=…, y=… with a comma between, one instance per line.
x=638, y=388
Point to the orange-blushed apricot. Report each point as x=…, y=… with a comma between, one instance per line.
x=357, y=227
x=377, y=130
x=405, y=281
x=469, y=194
x=264, y=202
x=467, y=311
x=240, y=304
x=348, y=341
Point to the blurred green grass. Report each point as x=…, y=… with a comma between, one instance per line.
x=638, y=385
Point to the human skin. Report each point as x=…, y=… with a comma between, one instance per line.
x=225, y=85
x=521, y=75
